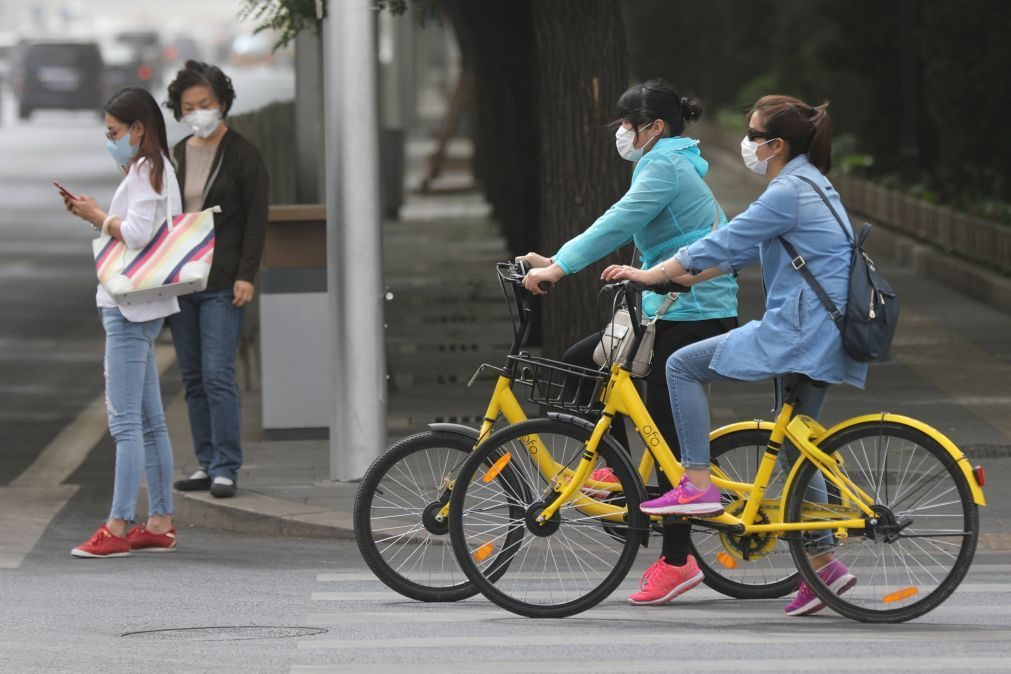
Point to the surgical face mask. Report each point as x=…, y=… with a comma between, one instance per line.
x=121, y=150
x=203, y=122
x=624, y=141
x=749, y=153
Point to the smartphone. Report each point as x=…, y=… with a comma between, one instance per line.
x=63, y=190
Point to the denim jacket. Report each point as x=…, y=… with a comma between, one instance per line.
x=796, y=334
x=667, y=206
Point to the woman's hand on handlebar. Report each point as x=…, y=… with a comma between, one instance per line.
x=535, y=260
x=541, y=275
x=623, y=272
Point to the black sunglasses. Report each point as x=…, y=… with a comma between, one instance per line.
x=755, y=133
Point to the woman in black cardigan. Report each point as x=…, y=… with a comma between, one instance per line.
x=216, y=167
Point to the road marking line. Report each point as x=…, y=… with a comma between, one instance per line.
x=71, y=446
x=701, y=593
x=768, y=610
x=716, y=634
x=35, y=497
x=25, y=512
x=365, y=577
x=795, y=664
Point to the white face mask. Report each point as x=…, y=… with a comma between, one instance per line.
x=624, y=141
x=203, y=122
x=749, y=153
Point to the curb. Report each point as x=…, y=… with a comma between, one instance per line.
x=252, y=513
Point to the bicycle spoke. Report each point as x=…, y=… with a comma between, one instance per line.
x=920, y=542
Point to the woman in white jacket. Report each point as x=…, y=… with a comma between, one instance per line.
x=138, y=144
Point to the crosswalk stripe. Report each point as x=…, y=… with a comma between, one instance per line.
x=459, y=577
x=696, y=635
x=701, y=593
x=795, y=664
x=728, y=609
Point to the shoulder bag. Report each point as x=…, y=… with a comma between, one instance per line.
x=176, y=261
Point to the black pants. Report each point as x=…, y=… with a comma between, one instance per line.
x=670, y=336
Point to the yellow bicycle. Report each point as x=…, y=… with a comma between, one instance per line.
x=402, y=503
x=891, y=497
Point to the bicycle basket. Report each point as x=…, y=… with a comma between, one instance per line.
x=560, y=385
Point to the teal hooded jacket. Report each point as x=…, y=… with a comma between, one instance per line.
x=667, y=207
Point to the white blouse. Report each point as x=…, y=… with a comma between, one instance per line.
x=142, y=210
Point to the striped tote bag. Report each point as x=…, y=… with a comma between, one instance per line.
x=177, y=260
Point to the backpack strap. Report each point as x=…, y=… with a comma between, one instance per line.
x=821, y=194
x=798, y=262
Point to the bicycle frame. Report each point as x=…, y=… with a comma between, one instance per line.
x=622, y=397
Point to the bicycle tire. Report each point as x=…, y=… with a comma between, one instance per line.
x=908, y=464
x=756, y=567
x=482, y=505
x=415, y=581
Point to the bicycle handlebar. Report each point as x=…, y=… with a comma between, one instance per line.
x=660, y=288
x=515, y=271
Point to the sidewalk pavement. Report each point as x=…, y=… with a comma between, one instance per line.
x=446, y=319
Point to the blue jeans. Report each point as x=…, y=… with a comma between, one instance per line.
x=206, y=334
x=688, y=372
x=136, y=416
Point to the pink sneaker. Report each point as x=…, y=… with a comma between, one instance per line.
x=685, y=499
x=662, y=582
x=835, y=575
x=601, y=475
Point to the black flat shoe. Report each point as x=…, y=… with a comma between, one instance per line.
x=198, y=481
x=223, y=490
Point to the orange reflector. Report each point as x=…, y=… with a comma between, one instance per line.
x=980, y=475
x=726, y=560
x=497, y=467
x=899, y=595
x=484, y=552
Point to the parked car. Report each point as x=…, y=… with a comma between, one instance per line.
x=7, y=50
x=181, y=49
x=147, y=56
x=123, y=68
x=61, y=75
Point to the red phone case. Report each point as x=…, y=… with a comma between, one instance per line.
x=64, y=190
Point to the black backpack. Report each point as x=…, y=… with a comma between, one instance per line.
x=872, y=310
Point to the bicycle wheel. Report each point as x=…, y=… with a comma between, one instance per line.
x=394, y=517
x=926, y=530
x=746, y=567
x=558, y=568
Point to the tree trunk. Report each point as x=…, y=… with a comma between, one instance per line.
x=583, y=68
x=496, y=40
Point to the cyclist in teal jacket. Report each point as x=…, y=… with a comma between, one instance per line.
x=668, y=206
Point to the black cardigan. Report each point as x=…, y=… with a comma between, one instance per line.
x=238, y=184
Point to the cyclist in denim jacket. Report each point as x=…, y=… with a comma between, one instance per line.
x=786, y=139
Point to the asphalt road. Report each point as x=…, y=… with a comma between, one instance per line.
x=230, y=603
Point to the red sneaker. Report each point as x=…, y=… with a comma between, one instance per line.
x=142, y=540
x=103, y=544
x=662, y=582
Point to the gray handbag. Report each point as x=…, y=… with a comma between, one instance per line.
x=617, y=337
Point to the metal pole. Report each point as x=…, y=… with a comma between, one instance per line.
x=308, y=120
x=354, y=240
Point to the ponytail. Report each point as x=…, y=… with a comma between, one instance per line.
x=806, y=129
x=819, y=152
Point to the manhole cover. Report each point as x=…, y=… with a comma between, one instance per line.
x=228, y=633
